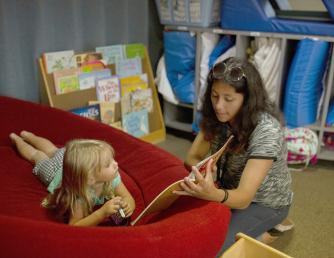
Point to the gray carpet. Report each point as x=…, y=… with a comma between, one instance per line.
x=312, y=210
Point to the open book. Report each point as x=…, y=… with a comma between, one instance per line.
x=167, y=197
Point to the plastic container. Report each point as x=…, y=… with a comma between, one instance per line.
x=199, y=13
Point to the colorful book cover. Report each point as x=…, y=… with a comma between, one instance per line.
x=129, y=67
x=66, y=80
x=91, y=112
x=134, y=50
x=108, y=89
x=60, y=60
x=136, y=123
x=111, y=54
x=132, y=83
x=142, y=99
x=87, y=80
x=86, y=57
x=108, y=111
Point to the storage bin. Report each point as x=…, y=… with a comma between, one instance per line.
x=247, y=247
x=200, y=13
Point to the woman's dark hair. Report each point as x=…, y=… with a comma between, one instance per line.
x=255, y=102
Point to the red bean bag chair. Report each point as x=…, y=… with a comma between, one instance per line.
x=188, y=228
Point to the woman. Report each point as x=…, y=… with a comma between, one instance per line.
x=252, y=175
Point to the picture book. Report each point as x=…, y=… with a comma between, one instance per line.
x=60, y=60
x=132, y=83
x=87, y=80
x=142, y=98
x=66, y=80
x=134, y=50
x=167, y=197
x=128, y=67
x=136, y=123
x=83, y=58
x=109, y=111
x=126, y=104
x=111, y=54
x=108, y=89
x=91, y=112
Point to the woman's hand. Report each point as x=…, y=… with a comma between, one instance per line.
x=203, y=187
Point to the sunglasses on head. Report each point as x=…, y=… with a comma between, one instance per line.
x=231, y=72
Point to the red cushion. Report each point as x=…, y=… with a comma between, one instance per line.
x=189, y=228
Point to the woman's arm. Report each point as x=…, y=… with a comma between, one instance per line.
x=253, y=175
x=198, y=150
x=128, y=203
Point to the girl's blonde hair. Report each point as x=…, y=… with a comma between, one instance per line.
x=82, y=160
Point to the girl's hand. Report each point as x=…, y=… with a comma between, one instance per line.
x=112, y=206
x=126, y=208
x=203, y=187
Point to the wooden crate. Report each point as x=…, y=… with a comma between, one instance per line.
x=80, y=98
x=247, y=247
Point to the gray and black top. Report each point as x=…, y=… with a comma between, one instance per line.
x=266, y=142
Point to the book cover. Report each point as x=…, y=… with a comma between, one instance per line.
x=142, y=98
x=166, y=197
x=86, y=57
x=128, y=67
x=111, y=54
x=108, y=89
x=60, y=60
x=136, y=123
x=66, y=80
x=109, y=111
x=91, y=112
x=134, y=50
x=87, y=80
x=132, y=83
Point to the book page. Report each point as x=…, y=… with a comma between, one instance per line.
x=167, y=197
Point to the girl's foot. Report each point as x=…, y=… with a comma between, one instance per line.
x=14, y=137
x=25, y=134
x=285, y=225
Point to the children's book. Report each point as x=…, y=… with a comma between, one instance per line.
x=132, y=83
x=87, y=80
x=167, y=197
x=91, y=112
x=142, y=99
x=66, y=80
x=136, y=123
x=128, y=67
x=60, y=60
x=83, y=58
x=111, y=54
x=108, y=89
x=134, y=50
x=109, y=111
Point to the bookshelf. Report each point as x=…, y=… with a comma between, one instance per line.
x=80, y=98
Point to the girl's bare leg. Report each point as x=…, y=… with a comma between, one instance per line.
x=39, y=143
x=26, y=150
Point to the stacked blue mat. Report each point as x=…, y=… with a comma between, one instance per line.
x=180, y=51
x=304, y=84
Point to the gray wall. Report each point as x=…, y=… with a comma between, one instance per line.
x=29, y=28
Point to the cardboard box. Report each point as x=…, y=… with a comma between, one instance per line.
x=248, y=247
x=80, y=98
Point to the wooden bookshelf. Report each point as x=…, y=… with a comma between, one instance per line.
x=80, y=98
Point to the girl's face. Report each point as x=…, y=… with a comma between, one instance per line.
x=226, y=102
x=108, y=173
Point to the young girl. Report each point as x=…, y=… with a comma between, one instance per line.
x=79, y=176
x=252, y=175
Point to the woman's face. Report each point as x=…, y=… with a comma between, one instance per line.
x=226, y=102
